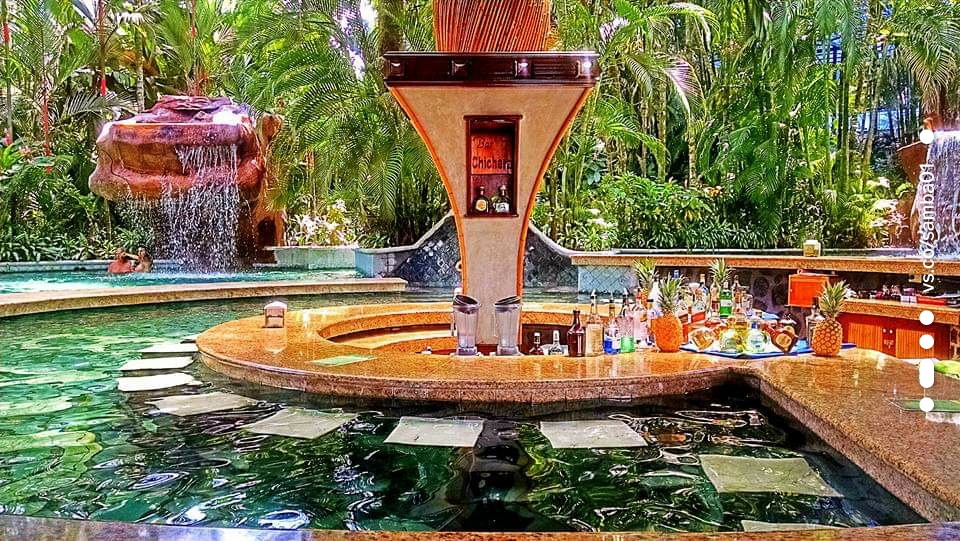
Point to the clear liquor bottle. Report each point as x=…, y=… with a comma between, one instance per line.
x=556, y=348
x=500, y=201
x=593, y=338
x=714, y=299
x=641, y=326
x=611, y=335
x=703, y=294
x=811, y=321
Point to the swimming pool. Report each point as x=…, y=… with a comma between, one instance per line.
x=19, y=282
x=73, y=446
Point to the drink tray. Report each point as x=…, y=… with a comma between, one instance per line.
x=800, y=349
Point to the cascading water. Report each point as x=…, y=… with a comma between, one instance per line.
x=198, y=227
x=944, y=155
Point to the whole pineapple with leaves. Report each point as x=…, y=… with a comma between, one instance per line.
x=827, y=336
x=646, y=271
x=667, y=330
x=720, y=272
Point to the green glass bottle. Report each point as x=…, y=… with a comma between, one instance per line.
x=726, y=300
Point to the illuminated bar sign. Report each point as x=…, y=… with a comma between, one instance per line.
x=491, y=154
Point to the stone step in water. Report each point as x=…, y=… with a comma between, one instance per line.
x=300, y=423
x=189, y=339
x=758, y=526
x=748, y=474
x=604, y=433
x=195, y=404
x=154, y=383
x=157, y=363
x=167, y=349
x=436, y=432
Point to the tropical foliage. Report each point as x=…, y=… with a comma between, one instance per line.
x=715, y=124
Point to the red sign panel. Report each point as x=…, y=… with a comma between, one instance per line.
x=491, y=153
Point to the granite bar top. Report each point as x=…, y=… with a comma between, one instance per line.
x=884, y=265
x=846, y=400
x=17, y=528
x=16, y=304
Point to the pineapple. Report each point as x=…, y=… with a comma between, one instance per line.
x=719, y=271
x=827, y=336
x=667, y=330
x=646, y=271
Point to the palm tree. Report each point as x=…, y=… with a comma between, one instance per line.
x=344, y=134
x=645, y=82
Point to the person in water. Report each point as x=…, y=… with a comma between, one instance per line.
x=121, y=263
x=145, y=262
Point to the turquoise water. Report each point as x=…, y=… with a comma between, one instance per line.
x=72, y=446
x=19, y=282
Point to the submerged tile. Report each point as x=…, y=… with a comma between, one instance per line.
x=300, y=423
x=157, y=363
x=195, y=404
x=169, y=348
x=436, y=432
x=591, y=434
x=759, y=526
x=153, y=383
x=748, y=474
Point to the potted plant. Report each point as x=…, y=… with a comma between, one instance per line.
x=319, y=241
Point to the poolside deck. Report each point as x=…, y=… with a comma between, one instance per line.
x=17, y=304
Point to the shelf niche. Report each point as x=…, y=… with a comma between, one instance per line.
x=492, y=163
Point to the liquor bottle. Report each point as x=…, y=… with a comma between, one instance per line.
x=737, y=291
x=481, y=205
x=756, y=341
x=811, y=321
x=641, y=327
x=714, y=299
x=726, y=301
x=651, y=315
x=593, y=339
x=576, y=337
x=784, y=338
x=703, y=294
x=611, y=335
x=626, y=323
x=555, y=348
x=536, y=349
x=500, y=201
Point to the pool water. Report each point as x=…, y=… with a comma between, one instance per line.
x=19, y=282
x=72, y=446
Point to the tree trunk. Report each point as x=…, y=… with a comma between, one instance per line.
x=141, y=88
x=8, y=80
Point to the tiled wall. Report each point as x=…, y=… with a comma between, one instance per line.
x=432, y=262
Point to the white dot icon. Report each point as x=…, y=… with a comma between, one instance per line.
x=926, y=341
x=926, y=317
x=926, y=404
x=927, y=136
